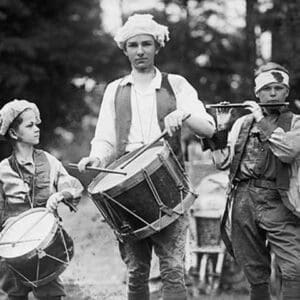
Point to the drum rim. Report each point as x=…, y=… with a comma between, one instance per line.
x=42, y=245
x=131, y=181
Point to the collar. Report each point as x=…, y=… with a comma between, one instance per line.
x=155, y=82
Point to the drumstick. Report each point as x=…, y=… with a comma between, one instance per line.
x=75, y=166
x=142, y=150
x=18, y=242
x=33, y=225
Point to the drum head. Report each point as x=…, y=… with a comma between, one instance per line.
x=28, y=232
x=111, y=180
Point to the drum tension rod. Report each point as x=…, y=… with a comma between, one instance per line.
x=167, y=210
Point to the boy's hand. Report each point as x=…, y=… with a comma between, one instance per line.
x=223, y=116
x=255, y=109
x=53, y=201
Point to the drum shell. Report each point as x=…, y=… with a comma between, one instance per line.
x=49, y=268
x=136, y=195
x=55, y=246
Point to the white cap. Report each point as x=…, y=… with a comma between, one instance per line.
x=11, y=110
x=270, y=76
x=142, y=24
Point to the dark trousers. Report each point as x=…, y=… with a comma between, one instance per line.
x=169, y=246
x=16, y=290
x=260, y=223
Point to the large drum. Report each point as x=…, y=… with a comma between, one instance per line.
x=154, y=192
x=36, y=247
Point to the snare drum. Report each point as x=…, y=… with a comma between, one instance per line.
x=36, y=247
x=153, y=194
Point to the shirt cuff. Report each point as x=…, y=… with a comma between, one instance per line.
x=265, y=129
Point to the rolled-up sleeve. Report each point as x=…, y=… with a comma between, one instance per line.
x=62, y=181
x=284, y=145
x=104, y=142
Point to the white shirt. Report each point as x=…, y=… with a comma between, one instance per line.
x=144, y=124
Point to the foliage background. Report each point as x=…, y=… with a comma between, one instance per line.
x=51, y=51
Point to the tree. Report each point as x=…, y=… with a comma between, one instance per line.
x=44, y=45
x=283, y=21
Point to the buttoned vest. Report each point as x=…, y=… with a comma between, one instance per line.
x=165, y=102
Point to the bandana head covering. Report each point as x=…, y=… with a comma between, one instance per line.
x=11, y=110
x=271, y=73
x=142, y=24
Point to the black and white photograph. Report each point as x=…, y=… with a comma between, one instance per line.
x=149, y=150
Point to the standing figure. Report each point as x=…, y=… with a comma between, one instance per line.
x=135, y=110
x=29, y=178
x=262, y=152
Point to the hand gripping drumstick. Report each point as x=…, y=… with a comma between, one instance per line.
x=142, y=150
x=75, y=166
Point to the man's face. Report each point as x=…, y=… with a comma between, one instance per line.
x=273, y=92
x=141, y=50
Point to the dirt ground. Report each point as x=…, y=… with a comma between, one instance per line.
x=96, y=271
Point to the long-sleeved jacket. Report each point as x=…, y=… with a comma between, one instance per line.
x=285, y=145
x=27, y=185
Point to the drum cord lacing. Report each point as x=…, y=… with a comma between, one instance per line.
x=21, y=275
x=162, y=207
x=41, y=253
x=186, y=177
x=129, y=211
x=111, y=224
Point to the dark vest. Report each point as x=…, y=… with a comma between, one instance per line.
x=282, y=172
x=39, y=185
x=166, y=103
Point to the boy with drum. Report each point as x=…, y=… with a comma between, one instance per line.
x=135, y=110
x=262, y=152
x=30, y=178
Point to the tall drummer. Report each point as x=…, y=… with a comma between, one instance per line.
x=29, y=178
x=135, y=110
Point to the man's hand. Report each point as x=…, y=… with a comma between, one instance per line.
x=255, y=109
x=54, y=200
x=173, y=121
x=223, y=116
x=88, y=161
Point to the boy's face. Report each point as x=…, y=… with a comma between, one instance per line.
x=273, y=92
x=141, y=50
x=28, y=131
